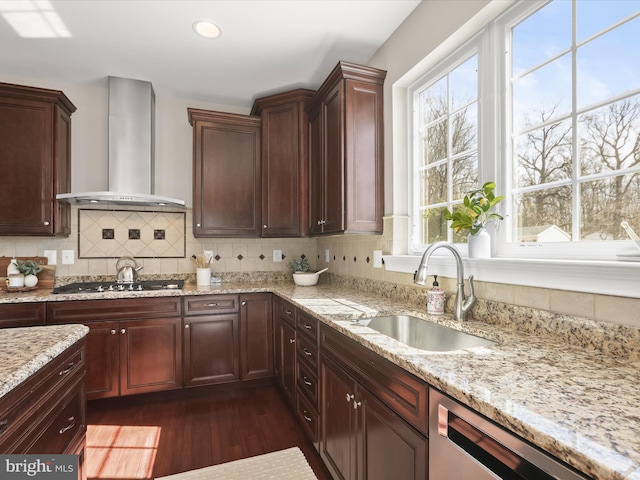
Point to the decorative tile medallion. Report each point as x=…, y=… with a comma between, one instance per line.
x=115, y=233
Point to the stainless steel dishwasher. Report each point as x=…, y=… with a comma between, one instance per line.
x=464, y=446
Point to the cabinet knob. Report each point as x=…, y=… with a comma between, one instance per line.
x=350, y=397
x=292, y=340
x=46, y=224
x=198, y=225
x=113, y=331
x=186, y=325
x=123, y=331
x=356, y=405
x=244, y=303
x=264, y=226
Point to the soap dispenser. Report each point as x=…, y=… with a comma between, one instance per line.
x=435, y=298
x=12, y=268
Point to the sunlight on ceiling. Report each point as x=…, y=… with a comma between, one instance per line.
x=34, y=19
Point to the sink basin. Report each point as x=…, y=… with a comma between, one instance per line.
x=419, y=333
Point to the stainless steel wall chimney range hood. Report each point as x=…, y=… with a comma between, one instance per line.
x=131, y=149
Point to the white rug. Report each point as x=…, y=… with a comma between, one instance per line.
x=289, y=464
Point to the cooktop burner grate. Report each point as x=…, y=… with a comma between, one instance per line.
x=100, y=287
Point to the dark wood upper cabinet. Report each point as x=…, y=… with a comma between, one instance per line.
x=35, y=160
x=227, y=177
x=346, y=151
x=285, y=163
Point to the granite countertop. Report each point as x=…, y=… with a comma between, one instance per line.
x=25, y=350
x=581, y=406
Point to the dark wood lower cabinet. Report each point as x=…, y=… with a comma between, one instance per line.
x=361, y=437
x=103, y=360
x=285, y=358
x=211, y=346
x=256, y=336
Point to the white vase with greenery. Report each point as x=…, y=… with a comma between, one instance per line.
x=474, y=214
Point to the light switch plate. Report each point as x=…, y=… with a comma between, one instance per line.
x=377, y=259
x=51, y=256
x=277, y=255
x=67, y=257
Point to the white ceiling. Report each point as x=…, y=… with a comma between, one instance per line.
x=266, y=46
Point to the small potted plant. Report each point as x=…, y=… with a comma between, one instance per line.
x=474, y=215
x=30, y=269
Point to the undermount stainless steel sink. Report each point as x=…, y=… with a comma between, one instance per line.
x=422, y=334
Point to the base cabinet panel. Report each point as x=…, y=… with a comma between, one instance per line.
x=256, y=336
x=103, y=360
x=211, y=344
x=285, y=357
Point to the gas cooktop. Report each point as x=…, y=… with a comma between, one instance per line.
x=100, y=287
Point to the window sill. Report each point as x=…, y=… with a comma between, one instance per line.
x=617, y=278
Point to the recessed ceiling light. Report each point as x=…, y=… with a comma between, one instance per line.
x=206, y=29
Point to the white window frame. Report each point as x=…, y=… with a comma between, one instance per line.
x=590, y=270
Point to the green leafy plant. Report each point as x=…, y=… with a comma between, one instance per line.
x=30, y=267
x=299, y=265
x=475, y=212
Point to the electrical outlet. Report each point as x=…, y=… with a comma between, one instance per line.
x=51, y=256
x=277, y=255
x=326, y=256
x=67, y=257
x=377, y=259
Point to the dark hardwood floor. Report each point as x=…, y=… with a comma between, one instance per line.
x=153, y=435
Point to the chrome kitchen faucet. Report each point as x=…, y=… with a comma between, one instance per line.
x=463, y=303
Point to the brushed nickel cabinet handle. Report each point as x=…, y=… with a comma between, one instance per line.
x=306, y=417
x=288, y=312
x=212, y=305
x=306, y=381
x=68, y=427
x=307, y=326
x=307, y=352
x=68, y=369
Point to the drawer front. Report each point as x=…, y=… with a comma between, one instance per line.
x=307, y=325
x=307, y=351
x=23, y=406
x=307, y=382
x=308, y=417
x=22, y=314
x=208, y=304
x=61, y=427
x=81, y=311
x=286, y=311
x=405, y=394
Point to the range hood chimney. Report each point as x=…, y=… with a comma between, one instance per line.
x=131, y=149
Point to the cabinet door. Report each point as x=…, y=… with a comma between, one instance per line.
x=211, y=344
x=316, y=169
x=256, y=334
x=35, y=138
x=333, y=127
x=338, y=417
x=150, y=355
x=102, y=360
x=391, y=448
x=285, y=339
x=226, y=176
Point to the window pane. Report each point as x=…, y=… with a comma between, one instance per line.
x=601, y=74
x=593, y=17
x=544, y=215
x=609, y=137
x=605, y=203
x=543, y=92
x=436, y=184
x=541, y=36
x=464, y=130
x=435, y=143
x=434, y=226
x=543, y=155
x=464, y=175
x=463, y=84
x=433, y=101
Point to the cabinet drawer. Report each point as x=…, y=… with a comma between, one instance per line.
x=60, y=428
x=208, y=304
x=307, y=382
x=307, y=325
x=286, y=311
x=22, y=409
x=307, y=351
x=22, y=314
x=80, y=311
x=308, y=417
x=405, y=394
